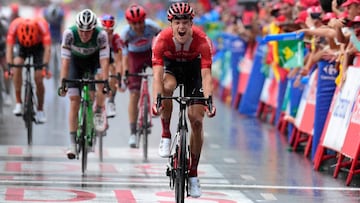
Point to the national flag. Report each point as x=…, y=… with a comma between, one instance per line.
x=291, y=53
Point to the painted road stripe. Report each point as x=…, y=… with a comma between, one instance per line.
x=226, y=186
x=268, y=196
x=230, y=160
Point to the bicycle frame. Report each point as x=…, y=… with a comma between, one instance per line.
x=178, y=166
x=144, y=122
x=29, y=99
x=85, y=136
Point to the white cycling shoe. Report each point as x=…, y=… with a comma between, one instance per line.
x=132, y=141
x=164, y=147
x=40, y=117
x=71, y=153
x=18, y=111
x=111, y=109
x=194, y=185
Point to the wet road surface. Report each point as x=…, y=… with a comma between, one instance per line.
x=243, y=160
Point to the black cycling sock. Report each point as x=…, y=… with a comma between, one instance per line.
x=133, y=128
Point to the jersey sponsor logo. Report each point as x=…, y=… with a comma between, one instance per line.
x=141, y=42
x=84, y=51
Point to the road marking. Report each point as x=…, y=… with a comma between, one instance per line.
x=209, y=186
x=230, y=160
x=247, y=177
x=268, y=196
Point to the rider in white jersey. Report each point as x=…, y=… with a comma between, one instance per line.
x=84, y=49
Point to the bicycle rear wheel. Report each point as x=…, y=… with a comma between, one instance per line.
x=181, y=170
x=29, y=112
x=145, y=129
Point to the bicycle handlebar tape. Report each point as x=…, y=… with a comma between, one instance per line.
x=158, y=102
x=106, y=88
x=118, y=77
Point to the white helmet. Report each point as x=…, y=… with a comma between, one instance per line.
x=86, y=20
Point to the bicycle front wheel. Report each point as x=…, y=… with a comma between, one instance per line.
x=100, y=136
x=29, y=112
x=83, y=141
x=145, y=129
x=181, y=170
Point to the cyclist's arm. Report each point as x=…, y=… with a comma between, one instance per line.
x=206, y=61
x=67, y=41
x=207, y=82
x=118, y=61
x=47, y=53
x=64, y=71
x=125, y=64
x=158, y=72
x=104, y=53
x=9, y=53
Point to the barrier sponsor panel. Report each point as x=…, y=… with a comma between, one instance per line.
x=251, y=96
x=304, y=120
x=340, y=111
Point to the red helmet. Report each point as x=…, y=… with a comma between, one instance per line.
x=108, y=21
x=135, y=13
x=180, y=10
x=27, y=33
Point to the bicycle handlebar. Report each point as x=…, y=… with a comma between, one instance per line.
x=84, y=81
x=27, y=65
x=183, y=99
x=141, y=74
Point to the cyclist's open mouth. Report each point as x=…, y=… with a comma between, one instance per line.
x=182, y=34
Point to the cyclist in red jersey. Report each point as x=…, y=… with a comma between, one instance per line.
x=182, y=55
x=28, y=37
x=108, y=24
x=136, y=40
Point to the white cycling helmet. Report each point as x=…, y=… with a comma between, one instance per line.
x=86, y=20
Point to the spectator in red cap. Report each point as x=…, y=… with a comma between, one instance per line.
x=301, y=19
x=352, y=9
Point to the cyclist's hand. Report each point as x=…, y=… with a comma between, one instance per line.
x=62, y=91
x=123, y=85
x=211, y=113
x=8, y=73
x=106, y=89
x=46, y=73
x=155, y=110
x=210, y=108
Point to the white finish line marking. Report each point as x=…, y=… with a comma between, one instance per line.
x=228, y=186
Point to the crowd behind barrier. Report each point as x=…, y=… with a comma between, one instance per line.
x=247, y=75
x=317, y=116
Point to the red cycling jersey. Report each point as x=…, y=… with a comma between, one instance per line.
x=165, y=46
x=44, y=35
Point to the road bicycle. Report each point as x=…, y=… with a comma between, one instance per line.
x=178, y=164
x=30, y=102
x=86, y=134
x=144, y=118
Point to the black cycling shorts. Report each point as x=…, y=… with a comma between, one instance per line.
x=79, y=67
x=36, y=52
x=188, y=74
